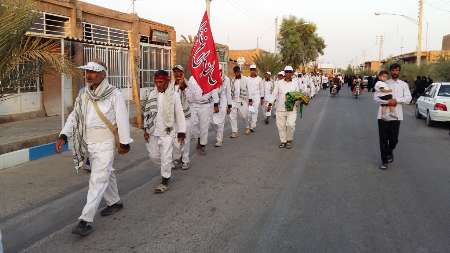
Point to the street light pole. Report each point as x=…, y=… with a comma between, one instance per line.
x=419, y=33
x=418, y=22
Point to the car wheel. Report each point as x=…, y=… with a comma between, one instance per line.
x=418, y=113
x=429, y=122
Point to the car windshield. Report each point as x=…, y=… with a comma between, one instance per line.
x=444, y=91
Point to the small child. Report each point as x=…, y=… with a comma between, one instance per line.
x=383, y=92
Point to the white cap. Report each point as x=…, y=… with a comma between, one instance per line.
x=281, y=73
x=288, y=68
x=93, y=66
x=253, y=66
x=179, y=67
x=268, y=72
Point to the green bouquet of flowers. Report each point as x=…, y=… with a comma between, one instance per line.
x=294, y=96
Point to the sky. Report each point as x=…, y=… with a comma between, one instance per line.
x=349, y=27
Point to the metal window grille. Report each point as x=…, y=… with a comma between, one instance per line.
x=104, y=34
x=25, y=78
x=153, y=58
x=116, y=60
x=50, y=25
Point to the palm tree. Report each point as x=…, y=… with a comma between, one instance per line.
x=268, y=62
x=18, y=49
x=188, y=39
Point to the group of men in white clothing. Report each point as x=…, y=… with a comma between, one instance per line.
x=175, y=112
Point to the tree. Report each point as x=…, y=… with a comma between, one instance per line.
x=440, y=71
x=17, y=49
x=268, y=62
x=298, y=42
x=188, y=39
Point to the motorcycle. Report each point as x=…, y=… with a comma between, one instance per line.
x=357, y=91
x=334, y=90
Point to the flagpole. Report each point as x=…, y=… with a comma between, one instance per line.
x=208, y=7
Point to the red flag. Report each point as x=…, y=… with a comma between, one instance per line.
x=204, y=63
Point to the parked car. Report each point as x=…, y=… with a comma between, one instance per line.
x=433, y=106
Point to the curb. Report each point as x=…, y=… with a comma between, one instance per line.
x=17, y=157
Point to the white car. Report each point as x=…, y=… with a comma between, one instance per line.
x=434, y=105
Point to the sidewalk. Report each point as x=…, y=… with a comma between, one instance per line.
x=28, y=140
x=28, y=133
x=35, y=183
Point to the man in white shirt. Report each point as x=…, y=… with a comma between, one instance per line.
x=324, y=81
x=389, y=130
x=266, y=95
x=285, y=119
x=225, y=105
x=202, y=106
x=239, y=98
x=181, y=152
x=163, y=119
x=254, y=86
x=98, y=125
x=302, y=83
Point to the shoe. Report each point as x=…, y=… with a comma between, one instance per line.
x=267, y=120
x=83, y=228
x=282, y=145
x=252, y=130
x=234, y=135
x=110, y=210
x=176, y=164
x=247, y=131
x=218, y=144
x=202, y=150
x=185, y=166
x=161, y=188
x=390, y=159
x=289, y=144
x=383, y=166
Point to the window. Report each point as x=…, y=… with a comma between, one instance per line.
x=116, y=60
x=153, y=58
x=50, y=24
x=444, y=91
x=106, y=35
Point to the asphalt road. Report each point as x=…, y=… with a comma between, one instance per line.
x=325, y=195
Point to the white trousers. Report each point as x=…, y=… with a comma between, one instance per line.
x=218, y=122
x=253, y=117
x=201, y=115
x=102, y=182
x=238, y=110
x=265, y=106
x=182, y=151
x=160, y=150
x=286, y=125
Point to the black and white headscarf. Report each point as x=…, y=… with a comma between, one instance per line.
x=102, y=92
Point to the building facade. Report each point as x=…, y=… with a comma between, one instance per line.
x=243, y=58
x=87, y=32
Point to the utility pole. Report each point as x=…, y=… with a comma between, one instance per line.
x=276, y=35
x=208, y=8
x=380, y=41
x=133, y=9
x=419, y=33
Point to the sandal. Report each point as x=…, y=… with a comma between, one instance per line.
x=161, y=188
x=282, y=145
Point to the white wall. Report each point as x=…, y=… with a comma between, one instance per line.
x=21, y=103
